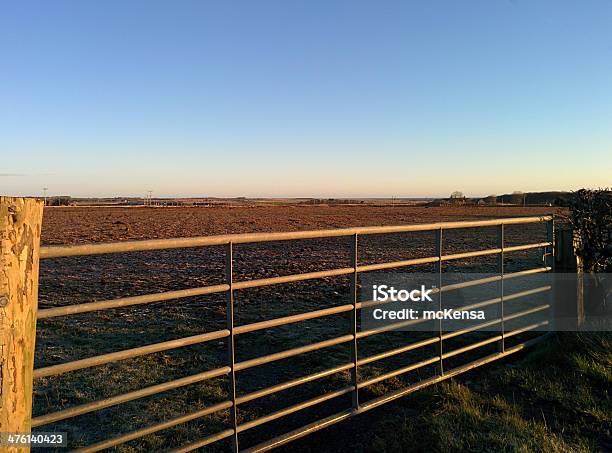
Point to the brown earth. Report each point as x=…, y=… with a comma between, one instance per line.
x=72, y=225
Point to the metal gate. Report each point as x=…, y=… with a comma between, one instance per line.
x=351, y=337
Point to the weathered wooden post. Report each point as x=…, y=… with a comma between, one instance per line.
x=569, y=303
x=20, y=226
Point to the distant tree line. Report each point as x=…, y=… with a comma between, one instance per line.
x=333, y=201
x=59, y=201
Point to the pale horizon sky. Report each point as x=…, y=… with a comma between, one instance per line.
x=304, y=99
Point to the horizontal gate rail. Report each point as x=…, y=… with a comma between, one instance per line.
x=400, y=350
x=293, y=383
x=471, y=347
x=394, y=373
x=247, y=328
x=129, y=301
x=164, y=244
x=526, y=328
x=296, y=407
x=352, y=338
x=161, y=426
x=527, y=312
x=204, y=442
x=292, y=352
x=130, y=396
x=128, y=354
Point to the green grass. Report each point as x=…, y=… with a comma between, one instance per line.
x=556, y=399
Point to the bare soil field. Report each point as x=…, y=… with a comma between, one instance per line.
x=71, y=225
x=84, y=279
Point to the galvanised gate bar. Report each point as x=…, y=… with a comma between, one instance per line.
x=351, y=337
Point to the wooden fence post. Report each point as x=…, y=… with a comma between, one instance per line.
x=569, y=303
x=20, y=226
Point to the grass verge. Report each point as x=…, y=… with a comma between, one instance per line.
x=554, y=399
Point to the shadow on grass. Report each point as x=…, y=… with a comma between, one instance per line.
x=555, y=399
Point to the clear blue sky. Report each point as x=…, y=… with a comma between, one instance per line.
x=304, y=98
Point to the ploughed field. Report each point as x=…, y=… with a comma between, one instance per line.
x=74, y=280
